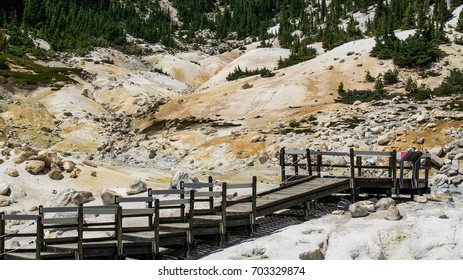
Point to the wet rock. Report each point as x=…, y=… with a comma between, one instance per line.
x=385, y=203
x=357, y=210
x=312, y=254
x=181, y=176
x=108, y=197
x=393, y=214
x=35, y=166
x=68, y=166
x=11, y=172
x=137, y=187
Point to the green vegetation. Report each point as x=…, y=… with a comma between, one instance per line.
x=299, y=53
x=459, y=26
x=350, y=96
x=33, y=75
x=415, y=51
x=239, y=74
x=368, y=77
x=391, y=77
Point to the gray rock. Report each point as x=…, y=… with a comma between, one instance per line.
x=356, y=210
x=263, y=157
x=393, y=214
x=458, y=156
x=312, y=254
x=439, y=180
x=437, y=150
x=436, y=161
x=35, y=166
x=385, y=139
x=82, y=197
x=152, y=154
x=68, y=166
x=385, y=203
x=55, y=174
x=11, y=172
x=460, y=170
x=420, y=141
x=457, y=179
x=181, y=176
x=357, y=103
x=422, y=118
x=137, y=187
x=108, y=196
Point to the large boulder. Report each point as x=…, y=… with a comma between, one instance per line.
x=357, y=210
x=50, y=158
x=440, y=180
x=11, y=172
x=393, y=214
x=82, y=197
x=108, y=196
x=369, y=205
x=16, y=192
x=181, y=176
x=385, y=203
x=23, y=156
x=137, y=187
x=35, y=166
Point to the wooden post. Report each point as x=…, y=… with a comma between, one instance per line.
x=156, y=229
x=223, y=230
x=119, y=232
x=2, y=236
x=182, y=196
x=150, y=205
x=352, y=173
x=309, y=162
x=319, y=165
x=359, y=166
x=282, y=165
x=80, y=232
x=39, y=238
x=211, y=198
x=254, y=204
x=295, y=164
x=394, y=171
x=427, y=166
x=191, y=215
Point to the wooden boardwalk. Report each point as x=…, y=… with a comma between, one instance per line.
x=202, y=210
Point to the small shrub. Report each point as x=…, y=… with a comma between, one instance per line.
x=107, y=61
x=391, y=77
x=3, y=64
x=368, y=77
x=239, y=74
x=294, y=124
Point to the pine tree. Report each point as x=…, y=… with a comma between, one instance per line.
x=459, y=26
